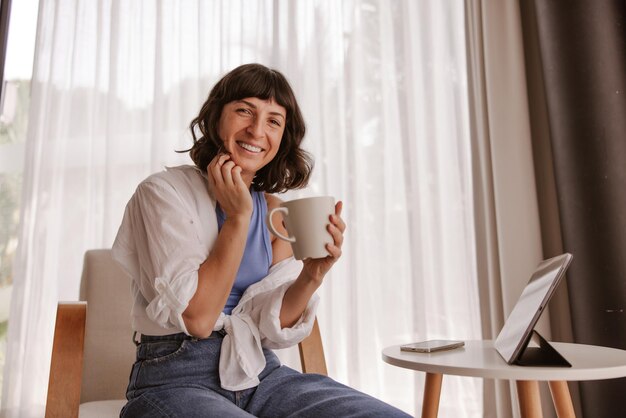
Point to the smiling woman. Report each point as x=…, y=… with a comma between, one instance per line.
x=217, y=288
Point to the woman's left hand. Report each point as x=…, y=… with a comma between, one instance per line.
x=316, y=268
x=299, y=293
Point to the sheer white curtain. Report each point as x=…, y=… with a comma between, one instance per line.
x=383, y=89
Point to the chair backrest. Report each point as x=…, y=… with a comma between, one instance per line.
x=109, y=350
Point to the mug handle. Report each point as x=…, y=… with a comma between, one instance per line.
x=271, y=226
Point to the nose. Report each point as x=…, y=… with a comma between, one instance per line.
x=256, y=128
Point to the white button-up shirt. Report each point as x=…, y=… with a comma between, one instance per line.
x=168, y=230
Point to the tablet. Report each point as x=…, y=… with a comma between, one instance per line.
x=517, y=329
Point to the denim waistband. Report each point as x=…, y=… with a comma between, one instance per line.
x=174, y=337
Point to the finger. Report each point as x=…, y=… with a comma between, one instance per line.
x=336, y=234
x=227, y=175
x=338, y=208
x=336, y=218
x=210, y=177
x=334, y=251
x=211, y=166
x=338, y=222
x=217, y=162
x=223, y=158
x=214, y=172
x=236, y=175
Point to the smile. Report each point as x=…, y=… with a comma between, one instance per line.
x=249, y=147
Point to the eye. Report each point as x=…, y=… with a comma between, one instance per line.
x=275, y=122
x=243, y=111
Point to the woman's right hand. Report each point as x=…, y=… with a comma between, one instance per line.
x=218, y=272
x=231, y=192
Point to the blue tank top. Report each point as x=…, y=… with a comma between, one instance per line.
x=257, y=257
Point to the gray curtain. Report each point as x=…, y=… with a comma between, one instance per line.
x=582, y=51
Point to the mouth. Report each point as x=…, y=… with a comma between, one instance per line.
x=249, y=147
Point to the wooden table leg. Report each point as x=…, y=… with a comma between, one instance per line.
x=562, y=399
x=529, y=398
x=432, y=391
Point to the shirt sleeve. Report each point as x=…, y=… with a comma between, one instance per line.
x=159, y=245
x=272, y=334
x=263, y=301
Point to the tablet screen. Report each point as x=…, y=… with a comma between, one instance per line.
x=536, y=295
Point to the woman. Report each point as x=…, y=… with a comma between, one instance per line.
x=213, y=291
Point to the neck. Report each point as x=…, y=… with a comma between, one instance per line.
x=247, y=178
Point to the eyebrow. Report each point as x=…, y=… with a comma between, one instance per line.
x=252, y=105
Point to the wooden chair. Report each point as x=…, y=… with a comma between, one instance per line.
x=93, y=351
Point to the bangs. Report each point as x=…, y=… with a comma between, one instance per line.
x=265, y=85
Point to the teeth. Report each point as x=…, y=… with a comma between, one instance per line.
x=249, y=147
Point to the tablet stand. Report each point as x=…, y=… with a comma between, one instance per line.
x=543, y=354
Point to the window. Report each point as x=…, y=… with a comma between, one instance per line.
x=13, y=127
x=385, y=105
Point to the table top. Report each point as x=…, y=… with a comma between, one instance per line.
x=480, y=359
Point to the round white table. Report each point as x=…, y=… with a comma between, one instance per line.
x=480, y=359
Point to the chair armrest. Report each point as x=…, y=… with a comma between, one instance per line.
x=66, y=366
x=312, y=352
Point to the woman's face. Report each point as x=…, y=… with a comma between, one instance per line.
x=252, y=129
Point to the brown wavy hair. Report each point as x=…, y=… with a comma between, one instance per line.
x=291, y=167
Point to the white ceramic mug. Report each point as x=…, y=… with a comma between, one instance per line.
x=306, y=221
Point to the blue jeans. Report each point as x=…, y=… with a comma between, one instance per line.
x=178, y=376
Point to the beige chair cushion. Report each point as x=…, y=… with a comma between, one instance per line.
x=109, y=350
x=101, y=409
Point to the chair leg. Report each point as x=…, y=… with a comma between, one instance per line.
x=66, y=366
x=432, y=393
